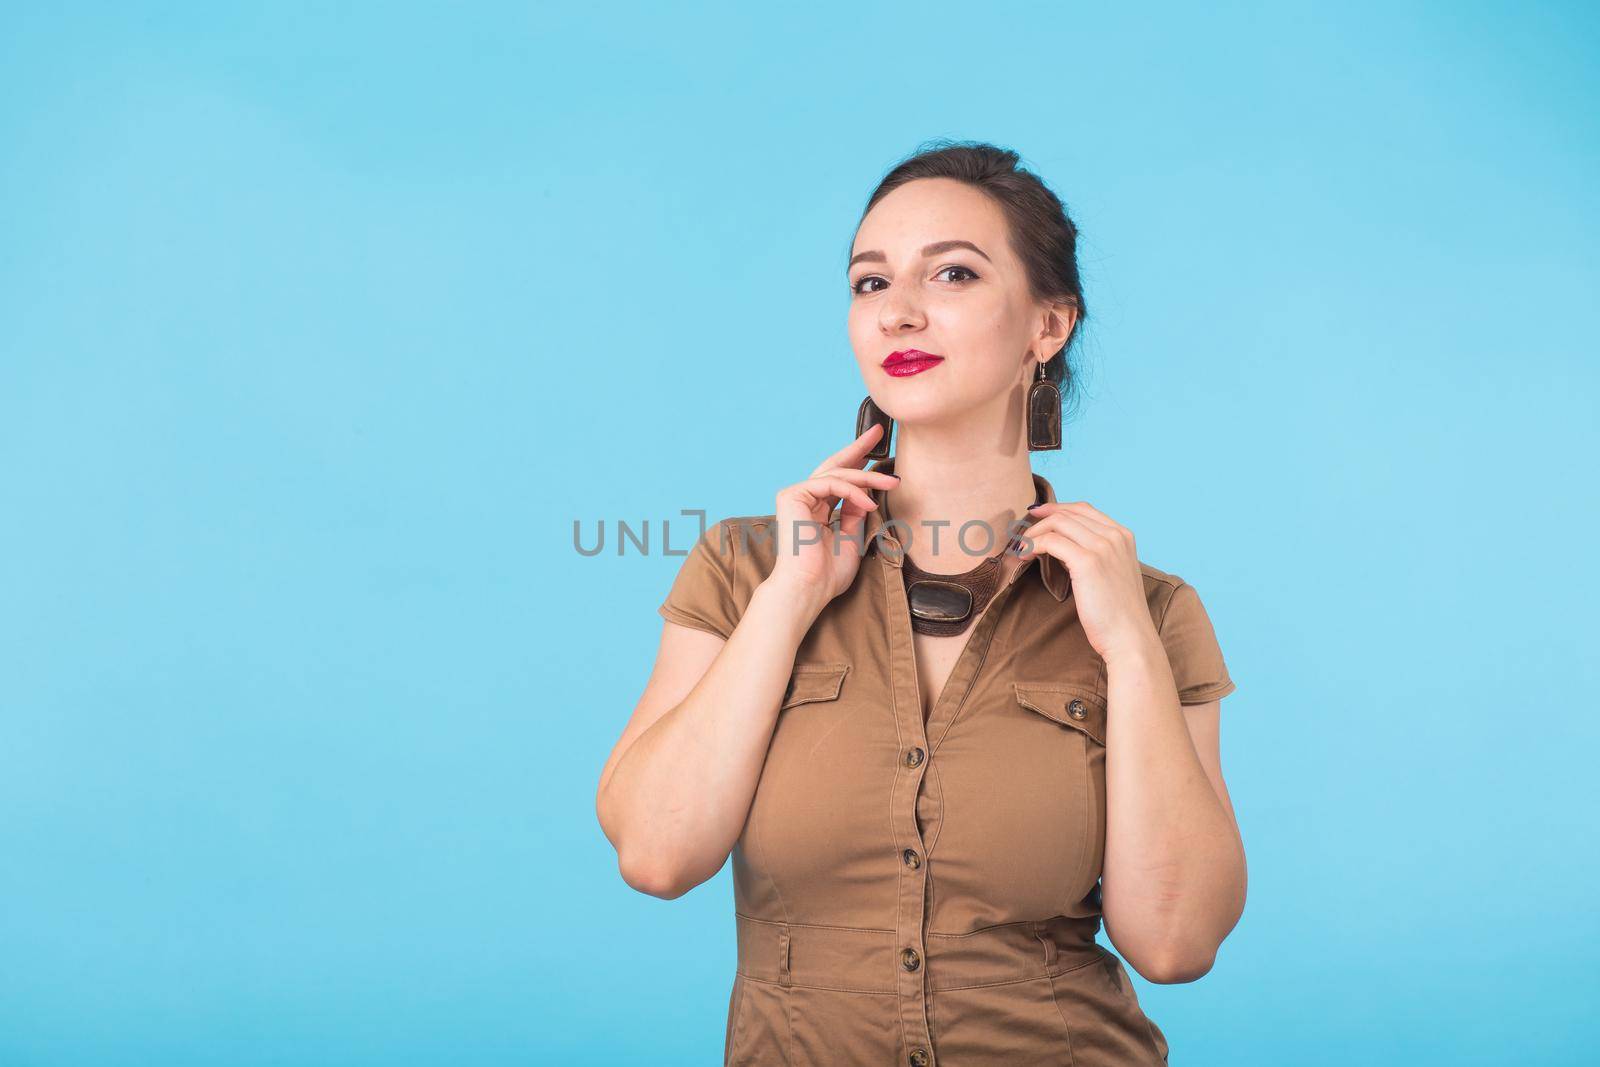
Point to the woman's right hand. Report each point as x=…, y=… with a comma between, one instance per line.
x=814, y=559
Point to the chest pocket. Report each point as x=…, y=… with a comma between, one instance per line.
x=812, y=682
x=1080, y=705
x=807, y=821
x=1080, y=710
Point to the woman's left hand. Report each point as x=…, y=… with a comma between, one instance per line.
x=1106, y=580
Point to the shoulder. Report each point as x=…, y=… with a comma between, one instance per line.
x=1163, y=590
x=1156, y=578
x=720, y=573
x=742, y=533
x=746, y=544
x=1186, y=632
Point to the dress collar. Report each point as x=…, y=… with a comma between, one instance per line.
x=1051, y=570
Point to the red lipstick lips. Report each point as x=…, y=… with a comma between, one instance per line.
x=909, y=361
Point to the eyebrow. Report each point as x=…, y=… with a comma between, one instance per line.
x=927, y=250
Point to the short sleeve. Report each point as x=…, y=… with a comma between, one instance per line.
x=702, y=594
x=1192, y=649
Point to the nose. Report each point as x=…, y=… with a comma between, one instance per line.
x=900, y=312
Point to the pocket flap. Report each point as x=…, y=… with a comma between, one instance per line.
x=814, y=681
x=1076, y=704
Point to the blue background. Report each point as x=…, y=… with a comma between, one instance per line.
x=318, y=329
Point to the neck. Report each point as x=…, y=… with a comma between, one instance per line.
x=948, y=478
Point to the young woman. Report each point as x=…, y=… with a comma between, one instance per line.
x=940, y=763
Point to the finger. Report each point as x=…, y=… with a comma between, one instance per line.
x=1074, y=527
x=1072, y=507
x=1054, y=543
x=1088, y=512
x=828, y=489
x=854, y=454
x=852, y=506
x=1115, y=532
x=1069, y=514
x=851, y=509
x=851, y=521
x=881, y=479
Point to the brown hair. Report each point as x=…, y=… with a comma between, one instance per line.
x=1043, y=236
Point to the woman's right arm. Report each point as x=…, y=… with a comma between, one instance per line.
x=676, y=791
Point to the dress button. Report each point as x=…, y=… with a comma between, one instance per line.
x=914, y=757
x=919, y=1057
x=909, y=959
x=912, y=859
x=1076, y=709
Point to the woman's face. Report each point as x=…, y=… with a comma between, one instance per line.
x=911, y=288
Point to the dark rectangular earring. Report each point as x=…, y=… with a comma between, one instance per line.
x=868, y=414
x=1044, y=414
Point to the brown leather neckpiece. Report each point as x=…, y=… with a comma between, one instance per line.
x=946, y=604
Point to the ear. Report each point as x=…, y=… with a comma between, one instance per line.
x=1059, y=319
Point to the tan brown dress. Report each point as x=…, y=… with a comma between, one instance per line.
x=910, y=892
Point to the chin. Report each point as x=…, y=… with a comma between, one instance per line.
x=912, y=410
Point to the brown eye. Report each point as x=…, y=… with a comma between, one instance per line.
x=969, y=274
x=856, y=288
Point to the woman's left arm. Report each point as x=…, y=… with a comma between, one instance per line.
x=1173, y=884
x=1174, y=879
